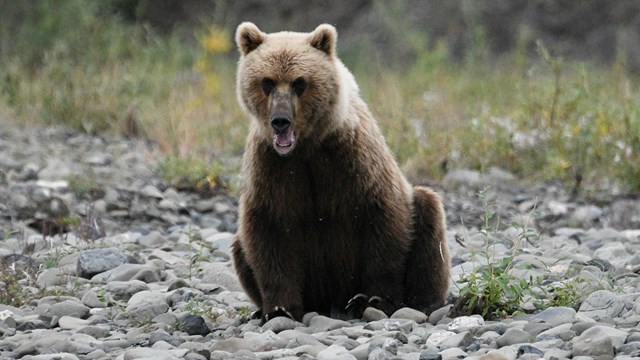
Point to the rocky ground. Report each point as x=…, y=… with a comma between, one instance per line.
x=102, y=260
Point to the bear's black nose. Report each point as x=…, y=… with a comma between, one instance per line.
x=280, y=124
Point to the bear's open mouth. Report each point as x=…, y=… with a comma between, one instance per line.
x=284, y=143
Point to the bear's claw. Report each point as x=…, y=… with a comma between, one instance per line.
x=276, y=312
x=356, y=305
x=256, y=315
x=360, y=302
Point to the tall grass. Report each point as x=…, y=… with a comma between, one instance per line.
x=539, y=117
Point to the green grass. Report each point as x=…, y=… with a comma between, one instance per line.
x=494, y=289
x=539, y=117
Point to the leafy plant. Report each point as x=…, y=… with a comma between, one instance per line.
x=195, y=257
x=190, y=172
x=492, y=290
x=198, y=307
x=567, y=293
x=245, y=313
x=12, y=286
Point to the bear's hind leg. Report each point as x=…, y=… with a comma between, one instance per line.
x=246, y=276
x=428, y=267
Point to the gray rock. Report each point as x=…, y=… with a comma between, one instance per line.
x=335, y=352
x=177, y=284
x=152, y=240
x=373, y=314
x=123, y=290
x=513, y=336
x=124, y=272
x=587, y=214
x=562, y=332
x=183, y=294
x=430, y=353
x=439, y=336
x=461, y=340
x=97, y=332
x=56, y=169
x=530, y=349
x=555, y=316
x=403, y=325
x=69, y=308
x=439, y=314
x=168, y=205
x=51, y=342
x=557, y=208
x=147, y=276
x=263, y=340
x=161, y=335
x=453, y=353
x=280, y=323
x=98, y=159
x=464, y=177
x=56, y=356
x=195, y=356
x=91, y=300
x=51, y=277
x=221, y=241
x=322, y=323
x=631, y=349
x=625, y=214
x=534, y=328
x=151, y=192
x=195, y=325
x=411, y=314
x=146, y=305
x=147, y=353
x=597, y=341
x=95, y=261
x=72, y=323
x=231, y=345
x=466, y=322
x=601, y=304
x=220, y=275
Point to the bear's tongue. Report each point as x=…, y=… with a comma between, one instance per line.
x=284, y=142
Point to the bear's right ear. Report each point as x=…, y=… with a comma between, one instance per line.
x=248, y=37
x=324, y=38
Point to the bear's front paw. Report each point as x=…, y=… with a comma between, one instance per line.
x=276, y=312
x=256, y=315
x=355, y=307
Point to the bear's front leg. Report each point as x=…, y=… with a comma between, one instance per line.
x=275, y=257
x=383, y=278
x=245, y=273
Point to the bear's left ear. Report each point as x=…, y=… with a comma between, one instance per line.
x=248, y=37
x=324, y=38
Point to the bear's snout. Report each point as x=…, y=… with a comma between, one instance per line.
x=280, y=123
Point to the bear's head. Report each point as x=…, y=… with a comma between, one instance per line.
x=290, y=84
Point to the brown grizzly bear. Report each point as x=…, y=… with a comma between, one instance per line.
x=328, y=222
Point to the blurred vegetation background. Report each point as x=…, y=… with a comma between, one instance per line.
x=547, y=89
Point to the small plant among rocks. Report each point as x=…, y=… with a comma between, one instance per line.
x=191, y=173
x=197, y=307
x=195, y=257
x=12, y=289
x=245, y=313
x=494, y=291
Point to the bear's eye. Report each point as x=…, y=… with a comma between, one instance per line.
x=268, y=85
x=299, y=85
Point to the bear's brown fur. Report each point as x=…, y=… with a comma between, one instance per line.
x=326, y=214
